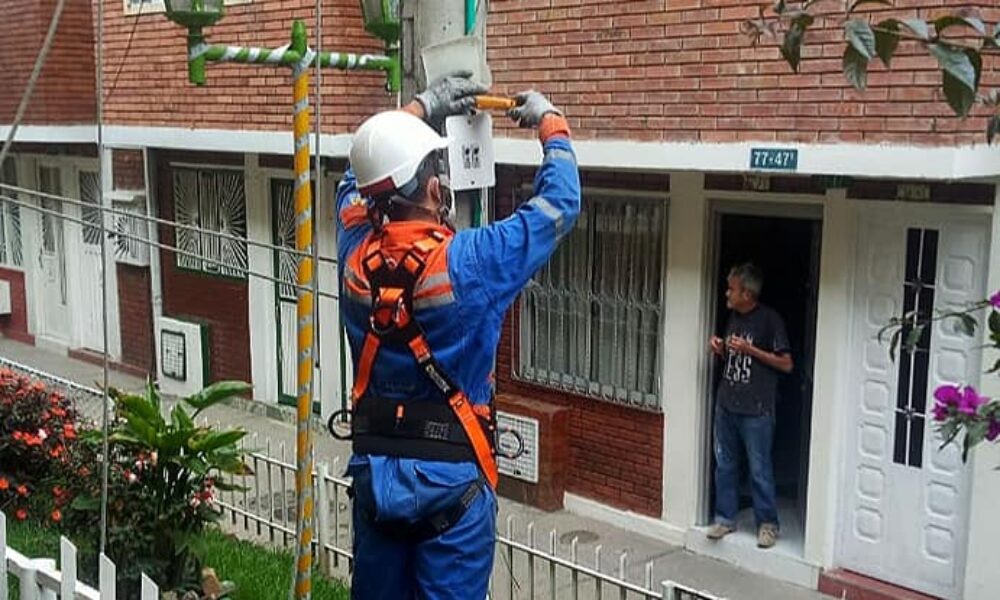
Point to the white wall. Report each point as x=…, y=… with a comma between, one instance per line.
x=685, y=355
x=830, y=381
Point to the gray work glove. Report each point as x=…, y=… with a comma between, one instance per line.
x=531, y=107
x=451, y=94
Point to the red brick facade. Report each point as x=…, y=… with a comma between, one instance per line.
x=153, y=88
x=615, y=452
x=654, y=70
x=135, y=314
x=221, y=303
x=128, y=170
x=680, y=70
x=65, y=91
x=15, y=325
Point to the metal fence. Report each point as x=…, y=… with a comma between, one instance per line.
x=528, y=563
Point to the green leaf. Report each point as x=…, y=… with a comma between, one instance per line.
x=995, y=368
x=956, y=62
x=859, y=3
x=212, y=440
x=86, y=503
x=967, y=324
x=919, y=27
x=855, y=68
x=791, y=47
x=993, y=128
x=142, y=407
x=960, y=98
x=180, y=418
x=942, y=23
x=885, y=42
x=894, y=343
x=994, y=321
x=860, y=35
x=217, y=392
x=152, y=393
x=913, y=337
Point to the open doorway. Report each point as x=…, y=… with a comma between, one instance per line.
x=787, y=250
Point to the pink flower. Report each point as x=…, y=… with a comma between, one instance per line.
x=995, y=300
x=940, y=412
x=971, y=401
x=948, y=395
x=994, y=431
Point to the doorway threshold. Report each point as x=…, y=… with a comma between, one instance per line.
x=784, y=561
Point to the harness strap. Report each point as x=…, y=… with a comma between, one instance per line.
x=392, y=289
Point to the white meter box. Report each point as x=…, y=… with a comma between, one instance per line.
x=524, y=467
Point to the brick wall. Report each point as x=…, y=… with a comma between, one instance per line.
x=128, y=170
x=15, y=325
x=221, y=303
x=135, y=314
x=615, y=452
x=152, y=86
x=641, y=70
x=65, y=90
x=681, y=70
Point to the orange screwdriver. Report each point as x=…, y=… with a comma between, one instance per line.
x=495, y=103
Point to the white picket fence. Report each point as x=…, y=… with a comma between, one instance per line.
x=39, y=579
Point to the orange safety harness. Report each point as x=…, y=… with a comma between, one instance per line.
x=414, y=429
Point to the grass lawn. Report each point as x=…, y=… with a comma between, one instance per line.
x=259, y=573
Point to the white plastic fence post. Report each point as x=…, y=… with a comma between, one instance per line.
x=3, y=557
x=67, y=568
x=107, y=578
x=149, y=589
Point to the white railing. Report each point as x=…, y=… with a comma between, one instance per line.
x=264, y=511
x=39, y=579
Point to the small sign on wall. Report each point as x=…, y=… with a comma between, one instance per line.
x=774, y=159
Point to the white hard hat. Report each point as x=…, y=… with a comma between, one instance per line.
x=388, y=148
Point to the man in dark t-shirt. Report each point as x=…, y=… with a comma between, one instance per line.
x=755, y=352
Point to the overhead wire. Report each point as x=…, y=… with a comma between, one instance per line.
x=166, y=222
x=167, y=247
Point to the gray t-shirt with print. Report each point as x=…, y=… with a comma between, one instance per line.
x=749, y=387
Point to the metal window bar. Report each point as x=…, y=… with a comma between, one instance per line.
x=590, y=320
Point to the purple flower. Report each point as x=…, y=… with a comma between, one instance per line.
x=995, y=300
x=940, y=412
x=948, y=395
x=970, y=401
x=994, y=431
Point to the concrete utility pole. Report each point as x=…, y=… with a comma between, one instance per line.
x=426, y=23
x=433, y=22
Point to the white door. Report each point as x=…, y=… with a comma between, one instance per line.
x=88, y=310
x=54, y=301
x=903, y=511
x=285, y=269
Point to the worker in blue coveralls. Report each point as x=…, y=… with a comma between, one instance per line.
x=422, y=306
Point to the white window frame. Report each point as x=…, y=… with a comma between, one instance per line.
x=649, y=400
x=6, y=223
x=153, y=7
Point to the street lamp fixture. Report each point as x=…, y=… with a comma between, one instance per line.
x=382, y=19
x=195, y=14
